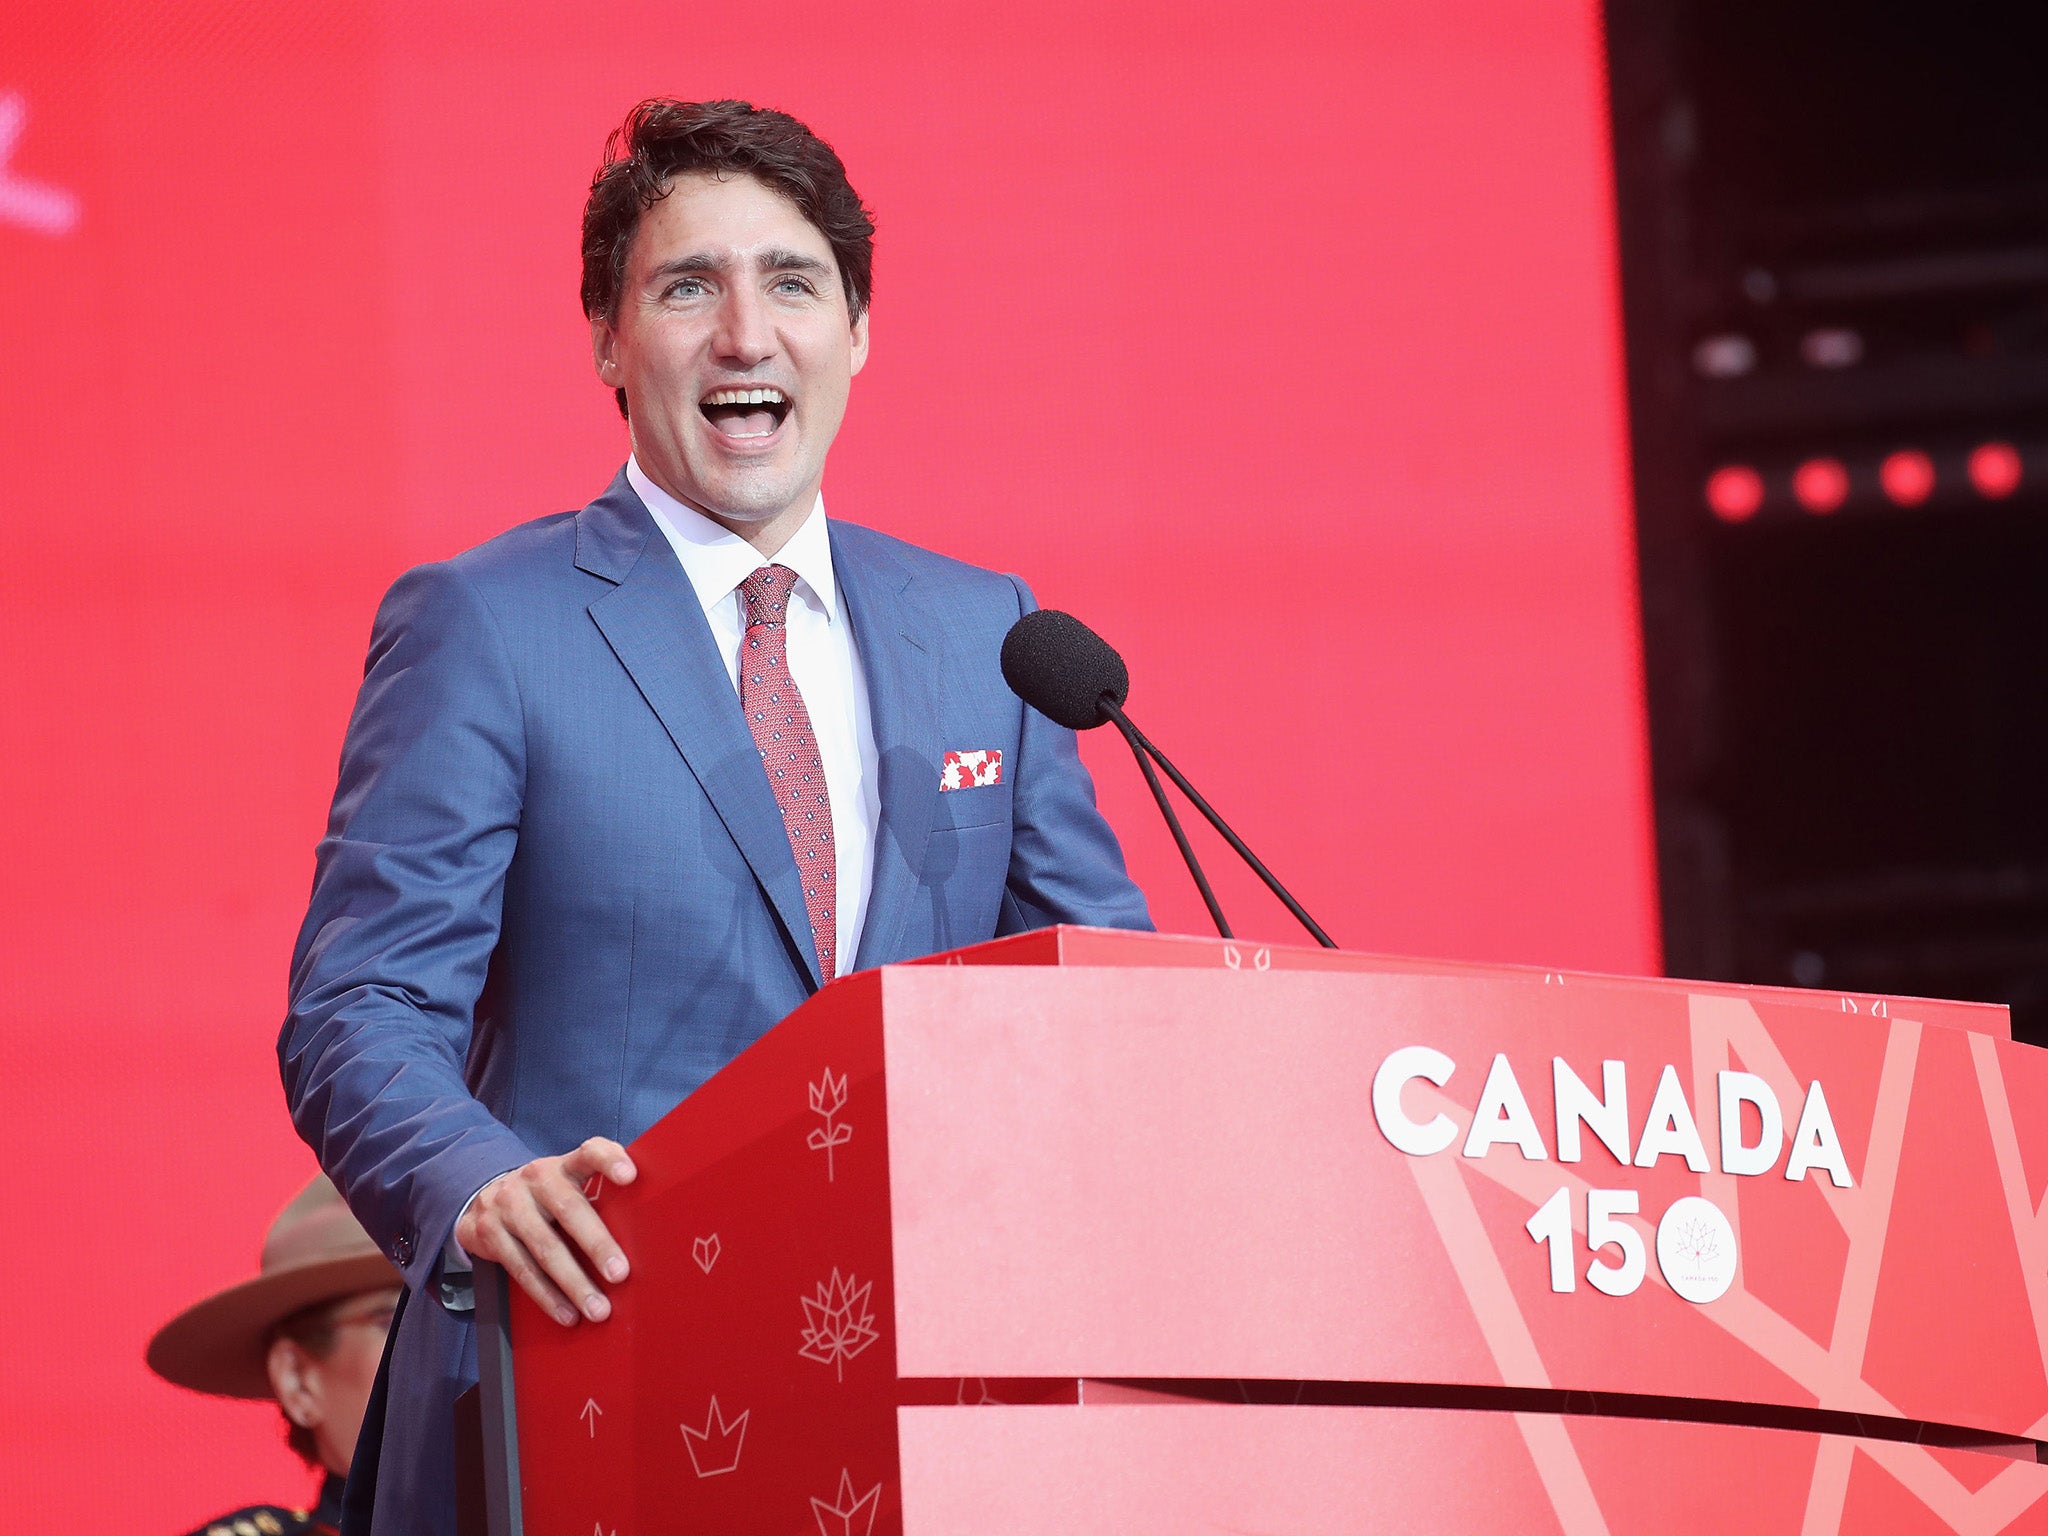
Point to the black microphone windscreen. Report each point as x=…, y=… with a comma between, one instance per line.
x=1062, y=668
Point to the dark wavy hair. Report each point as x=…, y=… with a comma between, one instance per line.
x=663, y=139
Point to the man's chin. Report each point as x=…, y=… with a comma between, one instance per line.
x=744, y=506
x=752, y=513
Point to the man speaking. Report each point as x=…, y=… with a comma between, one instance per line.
x=624, y=786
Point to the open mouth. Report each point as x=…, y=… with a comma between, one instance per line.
x=745, y=413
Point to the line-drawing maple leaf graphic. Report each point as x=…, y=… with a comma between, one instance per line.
x=848, y=1515
x=841, y=1324
x=1697, y=1241
x=828, y=1097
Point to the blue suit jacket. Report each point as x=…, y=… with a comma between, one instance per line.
x=555, y=894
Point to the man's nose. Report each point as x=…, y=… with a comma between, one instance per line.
x=744, y=336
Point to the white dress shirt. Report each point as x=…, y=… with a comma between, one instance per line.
x=822, y=658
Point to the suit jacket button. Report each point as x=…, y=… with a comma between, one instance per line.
x=401, y=1250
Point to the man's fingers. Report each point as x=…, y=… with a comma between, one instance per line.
x=492, y=1238
x=566, y=1200
x=533, y=1220
x=534, y=1228
x=586, y=1229
x=503, y=1248
x=603, y=1156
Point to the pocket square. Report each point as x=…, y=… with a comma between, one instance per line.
x=972, y=770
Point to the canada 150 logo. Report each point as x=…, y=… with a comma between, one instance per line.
x=1696, y=1248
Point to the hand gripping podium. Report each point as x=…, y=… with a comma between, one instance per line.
x=1081, y=1232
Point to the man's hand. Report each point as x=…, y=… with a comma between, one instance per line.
x=528, y=1219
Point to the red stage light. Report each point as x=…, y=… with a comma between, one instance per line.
x=1821, y=485
x=1907, y=477
x=1995, y=470
x=1734, y=492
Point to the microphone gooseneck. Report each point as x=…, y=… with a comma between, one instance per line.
x=1068, y=673
x=1144, y=747
x=1180, y=838
x=1072, y=676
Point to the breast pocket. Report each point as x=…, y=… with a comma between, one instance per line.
x=960, y=889
x=982, y=805
x=974, y=791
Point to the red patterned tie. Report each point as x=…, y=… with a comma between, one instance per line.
x=789, y=750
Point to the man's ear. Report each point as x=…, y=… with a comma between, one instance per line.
x=860, y=342
x=604, y=343
x=295, y=1381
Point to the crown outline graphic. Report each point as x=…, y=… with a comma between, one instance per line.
x=843, y=1517
x=715, y=1449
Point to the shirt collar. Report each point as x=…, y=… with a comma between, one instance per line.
x=717, y=560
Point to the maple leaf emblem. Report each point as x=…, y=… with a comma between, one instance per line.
x=841, y=1324
x=1697, y=1241
x=971, y=770
x=848, y=1515
x=828, y=1097
x=716, y=1447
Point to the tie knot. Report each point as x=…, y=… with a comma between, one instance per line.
x=767, y=594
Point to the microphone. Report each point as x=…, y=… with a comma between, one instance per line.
x=1072, y=676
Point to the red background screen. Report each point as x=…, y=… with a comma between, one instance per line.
x=1277, y=341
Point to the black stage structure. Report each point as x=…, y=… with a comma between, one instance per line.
x=1833, y=221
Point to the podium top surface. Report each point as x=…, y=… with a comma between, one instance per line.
x=1068, y=945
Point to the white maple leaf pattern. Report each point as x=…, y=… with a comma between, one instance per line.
x=839, y=1323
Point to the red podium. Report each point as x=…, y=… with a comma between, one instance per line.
x=1082, y=1232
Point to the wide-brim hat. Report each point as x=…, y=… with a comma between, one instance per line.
x=315, y=1251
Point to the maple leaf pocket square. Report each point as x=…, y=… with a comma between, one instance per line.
x=972, y=770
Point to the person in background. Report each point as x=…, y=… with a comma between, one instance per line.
x=307, y=1333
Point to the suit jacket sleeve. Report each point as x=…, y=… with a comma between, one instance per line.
x=1065, y=865
x=407, y=893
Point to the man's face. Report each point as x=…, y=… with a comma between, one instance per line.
x=349, y=1372
x=730, y=292
x=328, y=1393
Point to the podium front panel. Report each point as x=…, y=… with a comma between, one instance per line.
x=1172, y=1173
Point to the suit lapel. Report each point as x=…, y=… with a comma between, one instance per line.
x=657, y=629
x=899, y=654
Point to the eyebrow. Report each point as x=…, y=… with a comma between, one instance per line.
x=790, y=261
x=767, y=261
